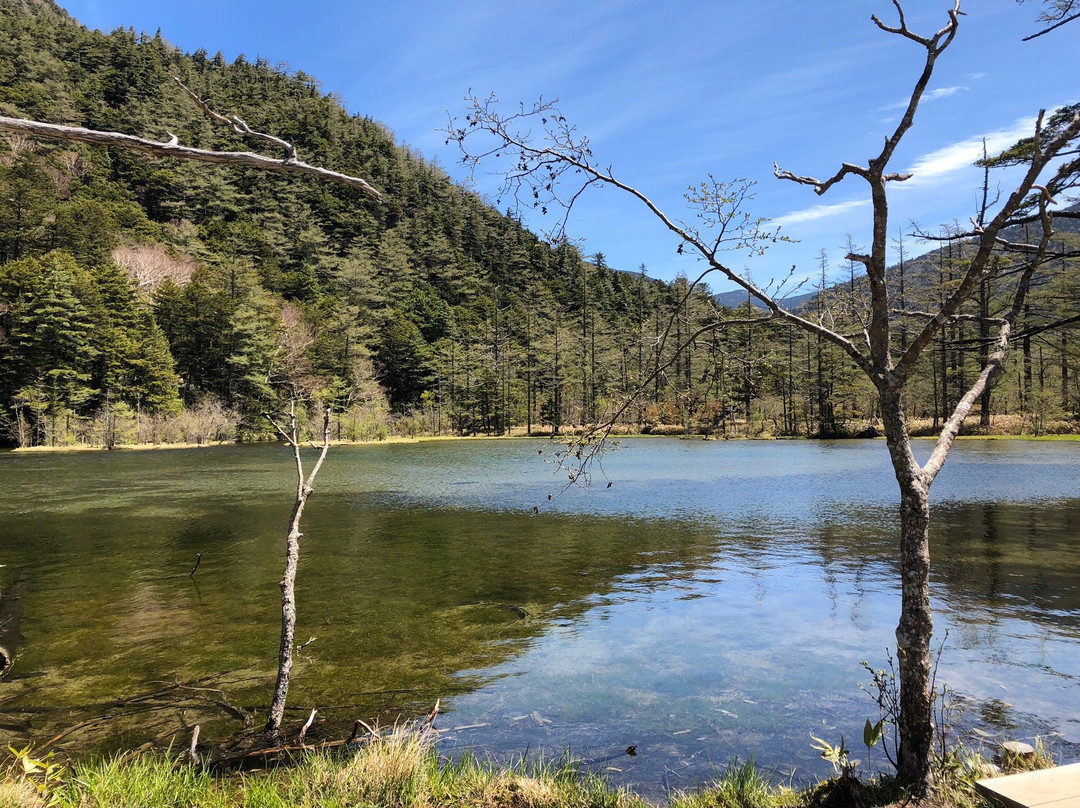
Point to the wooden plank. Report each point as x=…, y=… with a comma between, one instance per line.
x=1048, y=788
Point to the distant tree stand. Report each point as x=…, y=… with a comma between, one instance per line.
x=544, y=150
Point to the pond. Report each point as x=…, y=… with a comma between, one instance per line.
x=714, y=602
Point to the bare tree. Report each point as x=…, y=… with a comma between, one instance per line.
x=290, y=433
x=150, y=265
x=291, y=328
x=551, y=165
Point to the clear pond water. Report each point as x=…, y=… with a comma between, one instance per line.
x=714, y=602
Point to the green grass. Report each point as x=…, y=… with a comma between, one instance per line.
x=140, y=783
x=400, y=770
x=741, y=786
x=403, y=770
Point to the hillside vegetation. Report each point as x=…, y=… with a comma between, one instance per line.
x=153, y=301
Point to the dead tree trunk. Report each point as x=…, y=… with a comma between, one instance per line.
x=291, y=435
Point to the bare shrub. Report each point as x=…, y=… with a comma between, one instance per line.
x=151, y=264
x=207, y=421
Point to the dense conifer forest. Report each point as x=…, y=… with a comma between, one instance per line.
x=151, y=301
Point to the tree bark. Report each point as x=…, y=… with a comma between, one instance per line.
x=288, y=619
x=916, y=626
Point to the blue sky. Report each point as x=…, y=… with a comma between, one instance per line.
x=671, y=92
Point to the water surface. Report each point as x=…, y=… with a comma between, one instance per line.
x=714, y=602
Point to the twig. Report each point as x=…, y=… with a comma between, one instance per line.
x=198, y=561
x=194, y=742
x=463, y=727
x=278, y=750
x=148, y=745
x=356, y=729
x=304, y=729
x=1047, y=30
x=430, y=720
x=81, y=725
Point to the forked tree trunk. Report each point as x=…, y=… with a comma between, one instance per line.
x=916, y=625
x=292, y=559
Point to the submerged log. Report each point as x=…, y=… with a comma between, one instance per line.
x=11, y=613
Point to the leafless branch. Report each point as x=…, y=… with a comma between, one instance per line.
x=931, y=42
x=995, y=364
x=1062, y=12
x=956, y=318
x=1050, y=28
x=1042, y=156
x=1031, y=332
x=874, y=173
x=170, y=149
x=539, y=162
x=237, y=124
x=819, y=186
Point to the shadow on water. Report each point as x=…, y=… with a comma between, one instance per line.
x=715, y=602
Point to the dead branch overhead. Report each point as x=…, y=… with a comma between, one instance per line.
x=171, y=149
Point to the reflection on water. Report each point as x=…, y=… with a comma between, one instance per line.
x=715, y=601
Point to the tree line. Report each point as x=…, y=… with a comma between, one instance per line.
x=146, y=300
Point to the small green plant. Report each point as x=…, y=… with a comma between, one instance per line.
x=740, y=785
x=872, y=735
x=884, y=688
x=839, y=756
x=846, y=789
x=42, y=772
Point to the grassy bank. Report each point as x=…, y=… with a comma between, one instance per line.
x=403, y=770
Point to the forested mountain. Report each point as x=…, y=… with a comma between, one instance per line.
x=163, y=300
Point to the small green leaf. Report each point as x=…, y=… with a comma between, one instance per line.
x=872, y=733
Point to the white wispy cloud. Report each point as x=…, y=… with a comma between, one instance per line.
x=944, y=92
x=938, y=165
x=818, y=212
x=933, y=95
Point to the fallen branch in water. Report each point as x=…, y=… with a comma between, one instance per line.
x=307, y=725
x=194, y=755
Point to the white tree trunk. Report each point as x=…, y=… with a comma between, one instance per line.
x=292, y=559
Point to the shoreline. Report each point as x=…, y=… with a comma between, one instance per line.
x=413, y=439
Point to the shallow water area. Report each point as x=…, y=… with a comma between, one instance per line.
x=714, y=602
